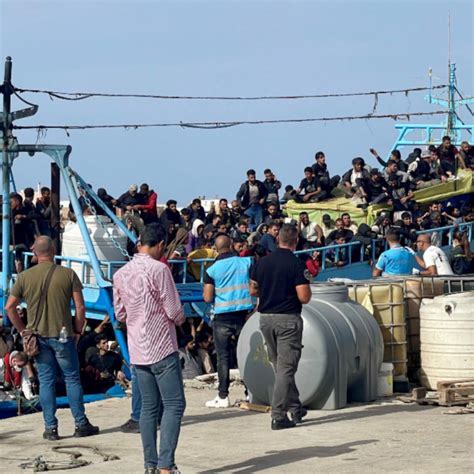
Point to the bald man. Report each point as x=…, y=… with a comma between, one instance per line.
x=226, y=284
x=434, y=261
x=60, y=285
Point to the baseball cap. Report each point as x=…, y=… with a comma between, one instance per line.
x=326, y=218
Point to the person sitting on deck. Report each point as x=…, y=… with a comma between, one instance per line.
x=273, y=214
x=147, y=208
x=351, y=181
x=269, y=240
x=467, y=154
x=449, y=157
x=424, y=171
x=375, y=189
x=321, y=173
x=339, y=230
x=313, y=191
x=191, y=365
x=395, y=156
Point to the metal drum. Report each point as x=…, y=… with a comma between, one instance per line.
x=341, y=357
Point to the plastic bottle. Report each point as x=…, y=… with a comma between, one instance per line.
x=63, y=335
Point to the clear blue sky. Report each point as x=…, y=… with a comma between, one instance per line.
x=224, y=48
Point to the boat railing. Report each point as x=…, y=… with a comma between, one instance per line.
x=352, y=252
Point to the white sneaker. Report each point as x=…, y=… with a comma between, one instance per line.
x=218, y=403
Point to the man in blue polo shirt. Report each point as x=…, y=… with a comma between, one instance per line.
x=226, y=284
x=397, y=260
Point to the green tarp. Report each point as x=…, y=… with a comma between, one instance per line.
x=336, y=206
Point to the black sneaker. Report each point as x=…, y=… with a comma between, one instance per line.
x=151, y=470
x=298, y=417
x=131, y=426
x=282, y=424
x=51, y=434
x=86, y=430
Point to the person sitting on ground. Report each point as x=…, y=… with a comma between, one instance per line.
x=269, y=240
x=273, y=214
x=103, y=367
x=351, y=181
x=191, y=365
x=321, y=173
x=311, y=187
x=460, y=256
x=204, y=344
x=272, y=186
x=16, y=374
x=395, y=156
x=340, y=229
x=397, y=260
x=434, y=261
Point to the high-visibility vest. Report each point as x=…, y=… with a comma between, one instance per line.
x=231, y=279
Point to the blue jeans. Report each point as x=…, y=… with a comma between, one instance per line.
x=161, y=383
x=136, y=396
x=55, y=355
x=255, y=212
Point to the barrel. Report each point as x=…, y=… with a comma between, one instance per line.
x=447, y=338
x=103, y=234
x=341, y=356
x=385, y=300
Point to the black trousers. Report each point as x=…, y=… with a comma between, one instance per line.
x=283, y=334
x=225, y=328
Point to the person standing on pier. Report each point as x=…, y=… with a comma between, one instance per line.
x=146, y=298
x=48, y=290
x=281, y=282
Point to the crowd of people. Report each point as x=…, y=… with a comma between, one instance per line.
x=240, y=236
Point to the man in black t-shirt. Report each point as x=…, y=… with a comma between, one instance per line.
x=280, y=282
x=311, y=187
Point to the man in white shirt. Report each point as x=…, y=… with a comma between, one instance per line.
x=434, y=261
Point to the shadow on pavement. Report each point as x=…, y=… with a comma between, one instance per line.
x=273, y=459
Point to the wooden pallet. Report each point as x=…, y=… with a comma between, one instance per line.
x=448, y=394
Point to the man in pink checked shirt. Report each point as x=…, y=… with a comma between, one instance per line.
x=145, y=297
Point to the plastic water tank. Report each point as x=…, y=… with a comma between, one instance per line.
x=340, y=360
x=73, y=245
x=447, y=338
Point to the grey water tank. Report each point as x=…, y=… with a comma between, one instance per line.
x=341, y=357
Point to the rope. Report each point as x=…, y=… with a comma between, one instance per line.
x=87, y=95
x=225, y=124
x=41, y=464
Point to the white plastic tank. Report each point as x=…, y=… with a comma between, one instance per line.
x=447, y=338
x=73, y=245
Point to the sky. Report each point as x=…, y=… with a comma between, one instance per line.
x=224, y=48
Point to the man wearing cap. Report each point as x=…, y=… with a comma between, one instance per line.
x=327, y=225
x=131, y=198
